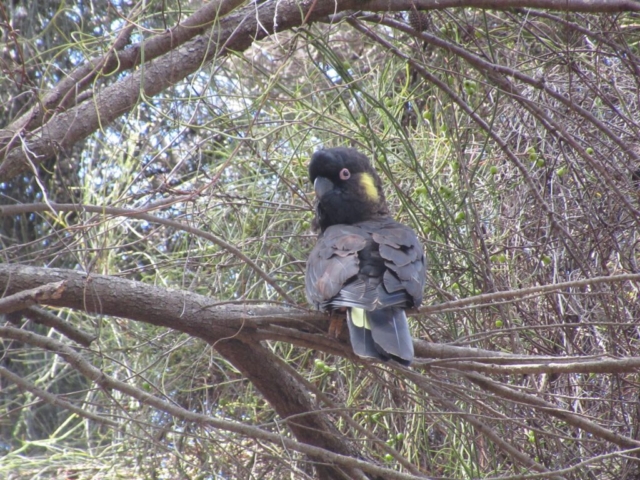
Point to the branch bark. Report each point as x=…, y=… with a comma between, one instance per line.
x=236, y=32
x=27, y=298
x=331, y=459
x=571, y=418
x=44, y=317
x=211, y=321
x=227, y=328
x=109, y=295
x=118, y=60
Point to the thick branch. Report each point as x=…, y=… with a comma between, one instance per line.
x=119, y=60
x=200, y=316
x=290, y=399
x=235, y=32
x=109, y=383
x=110, y=295
x=26, y=298
x=143, y=215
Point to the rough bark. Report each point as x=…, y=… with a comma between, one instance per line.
x=235, y=32
x=291, y=401
x=202, y=317
x=227, y=329
x=236, y=331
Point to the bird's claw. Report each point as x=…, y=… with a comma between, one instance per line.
x=336, y=325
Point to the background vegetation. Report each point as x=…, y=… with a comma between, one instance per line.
x=155, y=216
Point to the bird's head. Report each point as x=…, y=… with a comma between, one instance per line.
x=348, y=189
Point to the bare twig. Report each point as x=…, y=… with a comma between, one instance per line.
x=142, y=215
x=486, y=430
x=571, y=418
x=54, y=399
x=107, y=382
x=44, y=317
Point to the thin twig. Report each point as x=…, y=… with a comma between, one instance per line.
x=142, y=215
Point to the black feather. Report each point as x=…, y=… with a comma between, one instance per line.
x=363, y=258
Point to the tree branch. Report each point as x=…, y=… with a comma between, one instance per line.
x=107, y=382
x=26, y=298
x=109, y=295
x=43, y=317
x=571, y=418
x=200, y=316
x=53, y=399
x=235, y=32
x=602, y=365
x=142, y=214
x=118, y=60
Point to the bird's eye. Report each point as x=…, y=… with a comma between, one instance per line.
x=345, y=174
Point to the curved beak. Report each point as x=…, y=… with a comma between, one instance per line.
x=322, y=185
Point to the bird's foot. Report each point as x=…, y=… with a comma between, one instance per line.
x=336, y=324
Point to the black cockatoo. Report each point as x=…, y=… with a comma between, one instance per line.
x=364, y=261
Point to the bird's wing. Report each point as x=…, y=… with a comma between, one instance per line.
x=403, y=256
x=332, y=262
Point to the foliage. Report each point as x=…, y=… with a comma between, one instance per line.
x=507, y=138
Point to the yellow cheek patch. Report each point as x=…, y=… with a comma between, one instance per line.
x=369, y=185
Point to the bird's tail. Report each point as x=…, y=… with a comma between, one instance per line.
x=382, y=334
